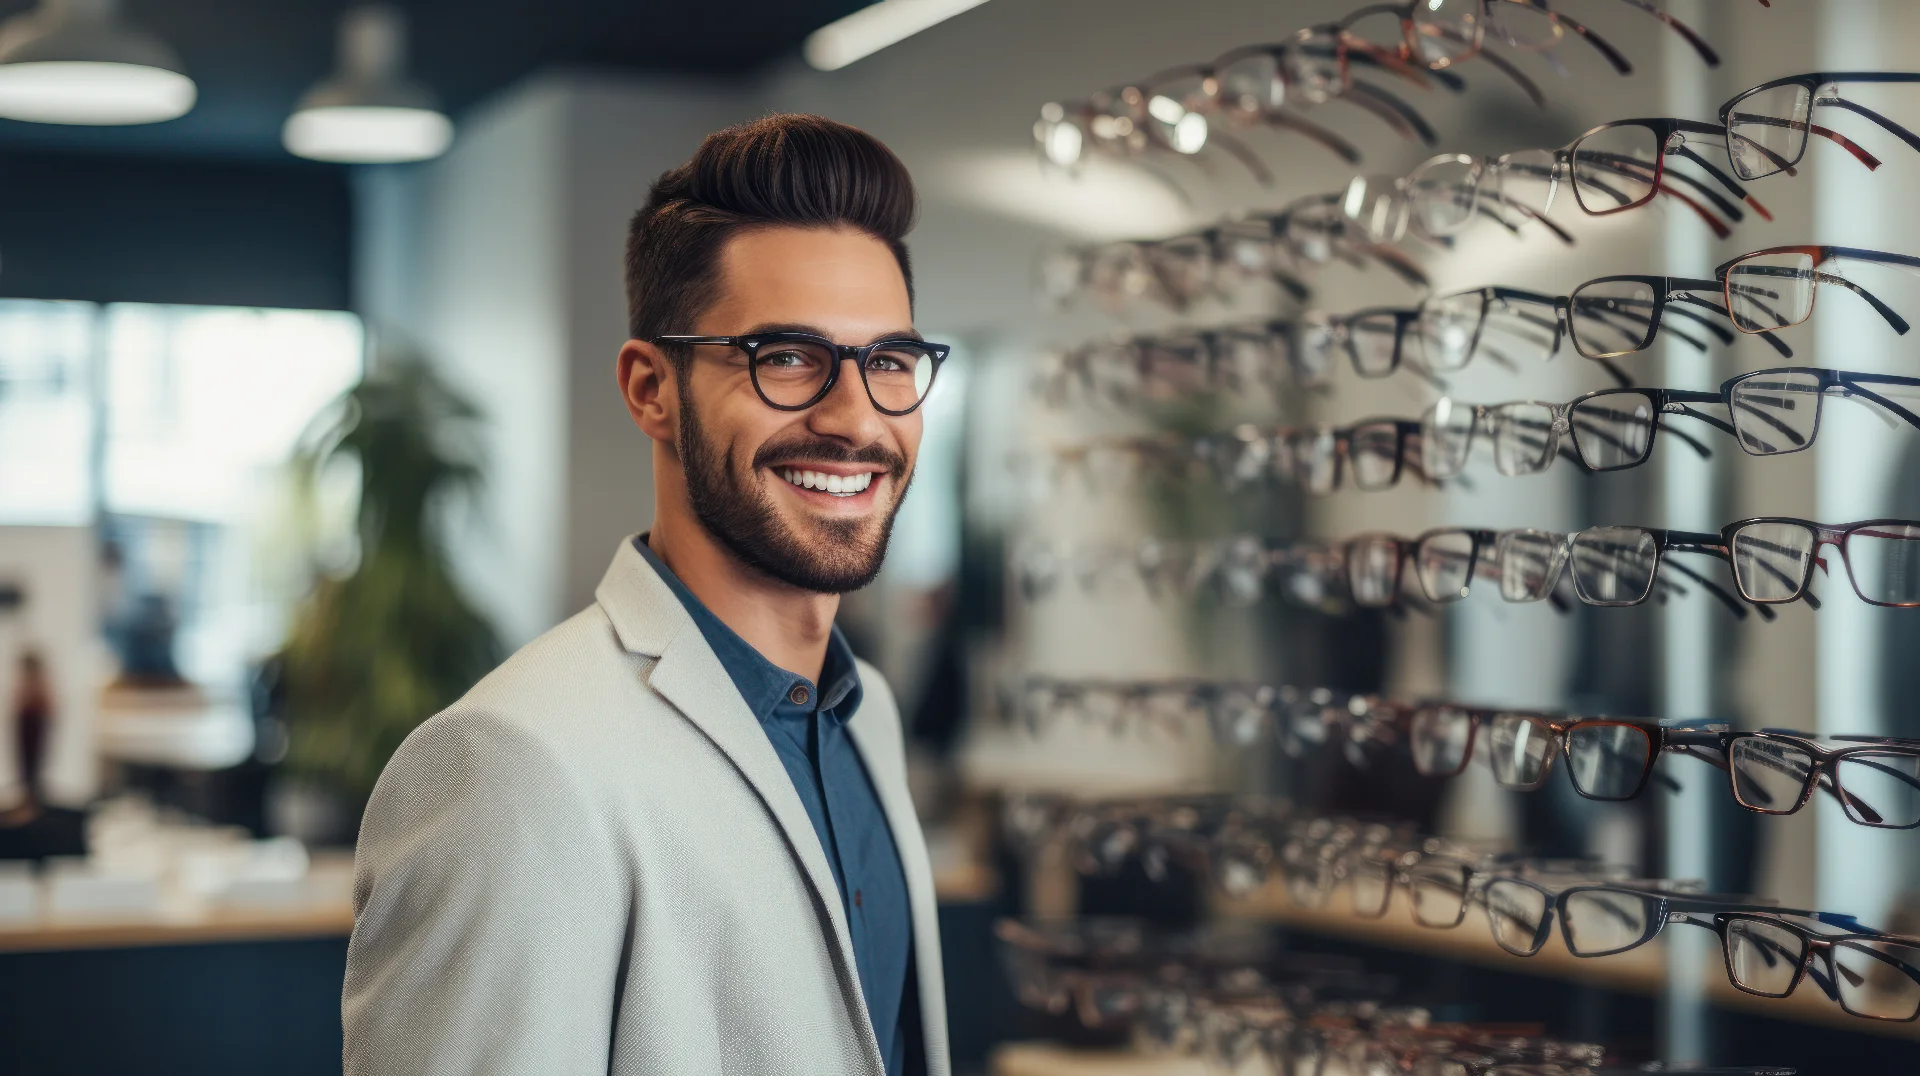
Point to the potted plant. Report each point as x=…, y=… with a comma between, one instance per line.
x=377, y=650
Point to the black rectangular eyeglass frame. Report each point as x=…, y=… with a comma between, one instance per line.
x=1811, y=82
x=750, y=344
x=1823, y=535
x=1671, y=541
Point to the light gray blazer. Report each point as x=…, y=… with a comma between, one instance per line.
x=596, y=863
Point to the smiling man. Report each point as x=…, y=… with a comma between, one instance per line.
x=673, y=835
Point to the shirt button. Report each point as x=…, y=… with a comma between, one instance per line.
x=798, y=696
x=856, y=898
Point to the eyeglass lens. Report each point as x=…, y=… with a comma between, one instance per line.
x=1444, y=195
x=1776, y=412
x=1614, y=565
x=1375, y=448
x=1526, y=178
x=1607, y=760
x=1445, y=561
x=1767, y=130
x=1519, y=915
x=1521, y=746
x=1530, y=564
x=1440, y=737
x=1763, y=956
x=1883, y=560
x=1769, y=776
x=1876, y=979
x=1614, y=430
x=1446, y=438
x=1771, y=291
x=1771, y=561
x=1616, y=168
x=1599, y=922
x=1610, y=318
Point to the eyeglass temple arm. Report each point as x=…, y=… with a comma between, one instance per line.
x=1887, y=313
x=1707, y=54
x=1241, y=152
x=1396, y=262
x=1854, y=383
x=1613, y=56
x=1726, y=180
x=1684, y=544
x=1291, y=284
x=1699, y=447
x=1720, y=228
x=1519, y=77
x=1896, y=130
x=1536, y=216
x=1683, y=295
x=1395, y=112
x=1292, y=121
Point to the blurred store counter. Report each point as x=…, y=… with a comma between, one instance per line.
x=151, y=880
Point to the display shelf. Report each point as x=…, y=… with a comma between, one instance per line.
x=210, y=926
x=1050, y=1059
x=1641, y=971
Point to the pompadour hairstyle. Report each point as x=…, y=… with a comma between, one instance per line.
x=787, y=169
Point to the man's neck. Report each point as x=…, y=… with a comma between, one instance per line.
x=787, y=625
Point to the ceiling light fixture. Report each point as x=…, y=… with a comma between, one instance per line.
x=369, y=112
x=74, y=61
x=876, y=26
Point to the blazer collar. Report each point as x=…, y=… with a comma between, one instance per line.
x=649, y=620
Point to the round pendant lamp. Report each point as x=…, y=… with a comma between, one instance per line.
x=369, y=112
x=76, y=62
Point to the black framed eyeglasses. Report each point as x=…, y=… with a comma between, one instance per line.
x=1774, y=558
x=792, y=371
x=1767, y=126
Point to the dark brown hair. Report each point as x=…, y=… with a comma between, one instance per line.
x=789, y=169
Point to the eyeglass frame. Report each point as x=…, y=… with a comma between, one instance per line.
x=1811, y=82
x=1665, y=541
x=1823, y=535
x=751, y=343
x=1820, y=255
x=1822, y=761
x=1403, y=9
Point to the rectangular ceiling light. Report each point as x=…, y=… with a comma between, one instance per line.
x=876, y=26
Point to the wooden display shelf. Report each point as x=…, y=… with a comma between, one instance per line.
x=1641, y=971
x=213, y=925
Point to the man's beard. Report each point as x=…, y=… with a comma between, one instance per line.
x=743, y=518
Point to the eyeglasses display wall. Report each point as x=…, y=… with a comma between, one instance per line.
x=1380, y=500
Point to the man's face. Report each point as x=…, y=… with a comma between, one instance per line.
x=748, y=466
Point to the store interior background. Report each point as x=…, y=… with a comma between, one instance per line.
x=160, y=433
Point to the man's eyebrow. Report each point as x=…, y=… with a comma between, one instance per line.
x=815, y=330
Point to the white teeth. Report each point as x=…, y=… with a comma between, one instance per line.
x=837, y=485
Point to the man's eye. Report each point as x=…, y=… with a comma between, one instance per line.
x=784, y=358
x=887, y=364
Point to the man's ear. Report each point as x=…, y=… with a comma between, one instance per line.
x=652, y=393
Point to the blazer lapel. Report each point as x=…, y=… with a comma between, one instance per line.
x=650, y=620
x=877, y=736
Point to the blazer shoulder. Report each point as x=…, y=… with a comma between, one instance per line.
x=570, y=683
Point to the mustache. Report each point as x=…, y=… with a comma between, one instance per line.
x=821, y=451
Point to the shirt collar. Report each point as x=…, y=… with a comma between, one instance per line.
x=764, y=685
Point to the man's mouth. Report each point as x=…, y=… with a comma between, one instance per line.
x=831, y=484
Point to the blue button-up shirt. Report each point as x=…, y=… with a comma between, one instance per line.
x=807, y=726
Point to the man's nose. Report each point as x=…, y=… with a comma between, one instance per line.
x=848, y=413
